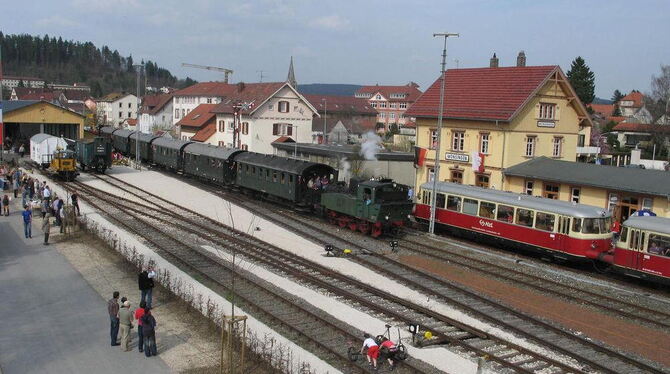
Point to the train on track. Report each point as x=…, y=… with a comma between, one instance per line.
x=371, y=207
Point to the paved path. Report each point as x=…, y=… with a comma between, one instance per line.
x=51, y=320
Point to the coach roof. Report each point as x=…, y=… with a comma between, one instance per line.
x=658, y=224
x=288, y=165
x=524, y=201
x=169, y=143
x=212, y=151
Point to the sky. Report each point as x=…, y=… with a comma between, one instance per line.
x=363, y=42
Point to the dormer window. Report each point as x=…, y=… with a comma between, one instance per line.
x=547, y=111
x=283, y=106
x=378, y=97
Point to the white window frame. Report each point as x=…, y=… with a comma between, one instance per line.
x=528, y=187
x=382, y=104
x=432, y=138
x=431, y=173
x=575, y=197
x=373, y=104
x=382, y=114
x=392, y=105
x=458, y=141
x=392, y=115
x=282, y=104
x=402, y=106
x=647, y=203
x=557, y=147
x=547, y=111
x=484, y=142
x=531, y=142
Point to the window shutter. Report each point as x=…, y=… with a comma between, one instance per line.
x=275, y=129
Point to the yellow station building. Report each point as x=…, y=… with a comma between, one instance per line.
x=25, y=118
x=497, y=117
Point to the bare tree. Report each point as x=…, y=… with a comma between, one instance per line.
x=658, y=100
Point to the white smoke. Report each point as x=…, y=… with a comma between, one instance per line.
x=345, y=166
x=372, y=143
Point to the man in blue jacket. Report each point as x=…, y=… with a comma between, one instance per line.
x=27, y=222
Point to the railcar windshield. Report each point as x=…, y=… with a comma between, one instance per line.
x=596, y=225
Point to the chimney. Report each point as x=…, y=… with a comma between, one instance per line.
x=240, y=87
x=521, y=59
x=494, y=61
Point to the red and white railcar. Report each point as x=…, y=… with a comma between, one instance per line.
x=561, y=229
x=643, y=249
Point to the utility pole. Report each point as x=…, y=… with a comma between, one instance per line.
x=138, y=159
x=260, y=72
x=2, y=125
x=436, y=173
x=325, y=114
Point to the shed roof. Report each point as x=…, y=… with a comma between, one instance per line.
x=8, y=106
x=169, y=143
x=209, y=150
x=658, y=224
x=509, y=198
x=643, y=181
x=284, y=164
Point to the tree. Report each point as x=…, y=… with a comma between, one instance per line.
x=617, y=96
x=657, y=101
x=582, y=80
x=617, y=111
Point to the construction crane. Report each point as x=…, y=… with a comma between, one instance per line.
x=226, y=72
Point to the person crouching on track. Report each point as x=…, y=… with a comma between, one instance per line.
x=388, y=350
x=373, y=350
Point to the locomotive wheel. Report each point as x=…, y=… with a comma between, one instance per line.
x=376, y=232
x=342, y=222
x=364, y=227
x=353, y=226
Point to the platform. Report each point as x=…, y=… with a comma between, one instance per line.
x=52, y=320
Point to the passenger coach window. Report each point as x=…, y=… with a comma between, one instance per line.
x=487, y=210
x=426, y=197
x=439, y=200
x=576, y=224
x=545, y=221
x=454, y=203
x=470, y=206
x=624, y=235
x=659, y=244
x=524, y=217
x=283, y=178
x=505, y=213
x=290, y=178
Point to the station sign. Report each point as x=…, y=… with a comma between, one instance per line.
x=546, y=124
x=460, y=157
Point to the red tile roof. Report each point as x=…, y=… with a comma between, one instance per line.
x=205, y=133
x=605, y=109
x=338, y=104
x=636, y=97
x=284, y=139
x=641, y=127
x=27, y=93
x=198, y=117
x=214, y=89
x=247, y=92
x=411, y=90
x=154, y=103
x=482, y=93
x=616, y=119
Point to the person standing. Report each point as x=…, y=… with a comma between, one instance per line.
x=126, y=323
x=46, y=228
x=113, y=310
x=22, y=151
x=27, y=222
x=149, y=333
x=146, y=285
x=75, y=202
x=16, y=181
x=46, y=193
x=139, y=313
x=5, y=205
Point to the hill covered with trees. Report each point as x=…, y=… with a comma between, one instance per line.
x=65, y=61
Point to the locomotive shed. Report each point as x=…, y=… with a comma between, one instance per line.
x=130, y=175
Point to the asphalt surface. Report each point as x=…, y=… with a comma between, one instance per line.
x=51, y=320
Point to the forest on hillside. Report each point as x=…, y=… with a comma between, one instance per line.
x=65, y=61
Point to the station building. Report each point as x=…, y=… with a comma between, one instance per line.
x=621, y=190
x=25, y=118
x=497, y=117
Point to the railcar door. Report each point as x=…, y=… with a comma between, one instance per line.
x=636, y=249
x=563, y=232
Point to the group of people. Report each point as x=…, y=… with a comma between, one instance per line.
x=122, y=318
x=386, y=349
x=317, y=183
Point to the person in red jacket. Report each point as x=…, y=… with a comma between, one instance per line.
x=139, y=312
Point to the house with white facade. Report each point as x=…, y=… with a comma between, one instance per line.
x=156, y=113
x=391, y=103
x=117, y=107
x=187, y=99
x=9, y=82
x=267, y=112
x=198, y=125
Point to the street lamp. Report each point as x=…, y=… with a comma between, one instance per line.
x=436, y=173
x=138, y=160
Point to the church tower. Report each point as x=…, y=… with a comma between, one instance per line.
x=290, y=79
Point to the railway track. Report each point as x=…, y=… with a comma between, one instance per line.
x=465, y=338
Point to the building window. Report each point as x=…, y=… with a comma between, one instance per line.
x=382, y=114
x=282, y=129
x=528, y=190
x=581, y=140
x=120, y=114
x=283, y=106
x=484, y=143
x=222, y=144
x=120, y=105
x=557, y=147
x=551, y=191
x=231, y=126
x=129, y=115
x=222, y=125
x=245, y=128
x=402, y=105
x=183, y=112
x=456, y=176
x=433, y=139
x=392, y=105
x=129, y=106
x=458, y=141
x=209, y=100
x=647, y=203
x=392, y=115
x=176, y=113
x=245, y=147
x=431, y=174
x=378, y=97
x=574, y=194
x=547, y=111
x=482, y=180
x=373, y=104
x=271, y=107
x=612, y=201
x=382, y=104
x=530, y=146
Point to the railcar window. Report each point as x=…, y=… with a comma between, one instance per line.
x=426, y=197
x=470, y=206
x=524, y=217
x=544, y=221
x=283, y=178
x=267, y=174
x=290, y=179
x=274, y=176
x=624, y=235
x=659, y=244
x=454, y=203
x=596, y=226
x=439, y=200
x=505, y=213
x=487, y=210
x=576, y=224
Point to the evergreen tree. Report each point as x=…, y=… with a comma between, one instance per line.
x=617, y=111
x=617, y=96
x=582, y=80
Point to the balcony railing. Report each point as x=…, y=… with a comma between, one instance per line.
x=588, y=150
